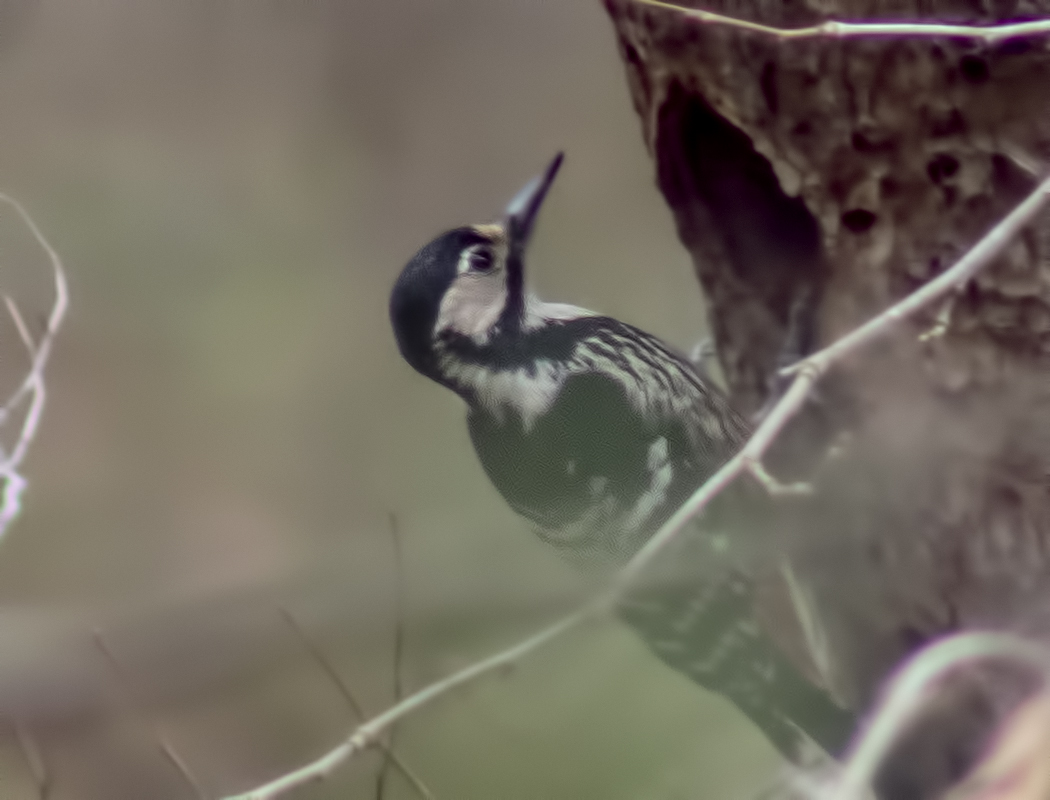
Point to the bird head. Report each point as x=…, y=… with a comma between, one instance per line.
x=468, y=283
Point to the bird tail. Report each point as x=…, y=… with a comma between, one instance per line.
x=706, y=628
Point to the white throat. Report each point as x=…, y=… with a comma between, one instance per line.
x=528, y=391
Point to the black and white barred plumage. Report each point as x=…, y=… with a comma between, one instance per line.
x=596, y=432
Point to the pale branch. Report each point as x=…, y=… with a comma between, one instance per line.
x=20, y=324
x=399, y=649
x=164, y=744
x=315, y=652
x=326, y=666
x=833, y=29
x=776, y=488
x=902, y=701
x=32, y=385
x=940, y=323
x=806, y=373
x=34, y=757
x=366, y=735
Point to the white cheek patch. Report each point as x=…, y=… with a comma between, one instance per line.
x=472, y=305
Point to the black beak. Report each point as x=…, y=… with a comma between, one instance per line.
x=523, y=209
x=521, y=217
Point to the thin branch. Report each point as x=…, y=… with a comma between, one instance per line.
x=367, y=734
x=399, y=608
x=23, y=330
x=805, y=372
x=34, y=757
x=833, y=29
x=325, y=665
x=902, y=699
x=351, y=700
x=399, y=642
x=941, y=322
x=776, y=488
x=32, y=385
x=163, y=743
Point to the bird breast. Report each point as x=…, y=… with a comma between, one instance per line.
x=527, y=392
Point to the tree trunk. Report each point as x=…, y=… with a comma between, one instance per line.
x=816, y=181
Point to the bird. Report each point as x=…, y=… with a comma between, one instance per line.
x=596, y=432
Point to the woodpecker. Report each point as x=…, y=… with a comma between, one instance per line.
x=596, y=432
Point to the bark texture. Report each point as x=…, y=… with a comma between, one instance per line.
x=815, y=182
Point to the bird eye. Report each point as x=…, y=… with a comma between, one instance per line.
x=481, y=260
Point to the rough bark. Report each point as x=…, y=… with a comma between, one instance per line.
x=816, y=181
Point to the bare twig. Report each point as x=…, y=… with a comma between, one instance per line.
x=351, y=700
x=399, y=607
x=325, y=665
x=805, y=372
x=775, y=487
x=34, y=757
x=399, y=642
x=23, y=330
x=367, y=734
x=903, y=697
x=32, y=385
x=940, y=323
x=163, y=743
x=832, y=29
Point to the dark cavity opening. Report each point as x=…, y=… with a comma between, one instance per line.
x=728, y=202
x=942, y=166
x=858, y=220
x=974, y=68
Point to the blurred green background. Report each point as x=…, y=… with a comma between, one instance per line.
x=234, y=187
